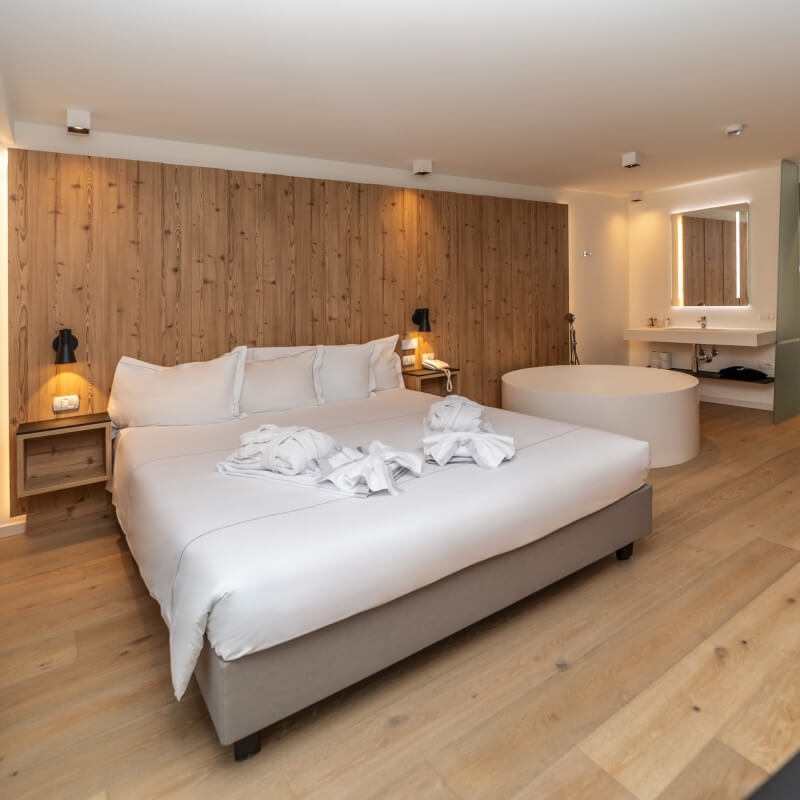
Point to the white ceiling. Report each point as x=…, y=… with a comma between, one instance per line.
x=529, y=92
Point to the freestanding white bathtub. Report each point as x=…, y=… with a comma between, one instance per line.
x=655, y=405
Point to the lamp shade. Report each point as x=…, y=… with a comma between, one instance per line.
x=64, y=344
x=420, y=319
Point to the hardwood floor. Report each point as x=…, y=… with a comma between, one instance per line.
x=673, y=675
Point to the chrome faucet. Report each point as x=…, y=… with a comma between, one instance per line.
x=703, y=321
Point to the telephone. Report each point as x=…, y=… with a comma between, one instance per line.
x=439, y=366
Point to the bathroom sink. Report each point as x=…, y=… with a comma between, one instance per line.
x=734, y=337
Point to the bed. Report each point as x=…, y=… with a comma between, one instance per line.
x=277, y=596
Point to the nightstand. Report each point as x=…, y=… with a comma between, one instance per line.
x=62, y=453
x=431, y=381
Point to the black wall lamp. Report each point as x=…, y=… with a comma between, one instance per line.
x=420, y=319
x=64, y=344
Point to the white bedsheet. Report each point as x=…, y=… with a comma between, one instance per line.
x=251, y=564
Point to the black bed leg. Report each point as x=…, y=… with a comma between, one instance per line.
x=249, y=746
x=624, y=553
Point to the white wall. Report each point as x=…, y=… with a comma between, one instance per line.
x=650, y=274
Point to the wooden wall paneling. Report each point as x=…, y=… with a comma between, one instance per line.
x=551, y=293
x=96, y=349
x=427, y=289
x=209, y=199
x=375, y=273
x=26, y=230
x=176, y=265
x=504, y=333
x=310, y=292
x=337, y=236
x=150, y=257
x=277, y=220
x=245, y=261
x=490, y=380
x=729, y=263
x=470, y=295
x=714, y=295
x=522, y=281
x=693, y=261
x=125, y=223
x=446, y=289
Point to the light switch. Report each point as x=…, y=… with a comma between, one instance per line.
x=409, y=361
x=409, y=344
x=66, y=402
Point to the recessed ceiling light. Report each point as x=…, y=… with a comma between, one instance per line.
x=735, y=129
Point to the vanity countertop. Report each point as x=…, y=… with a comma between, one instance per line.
x=737, y=337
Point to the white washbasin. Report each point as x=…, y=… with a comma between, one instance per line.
x=737, y=337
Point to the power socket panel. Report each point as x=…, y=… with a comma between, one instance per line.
x=66, y=402
x=428, y=356
x=409, y=361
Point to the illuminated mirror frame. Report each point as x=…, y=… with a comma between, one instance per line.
x=678, y=287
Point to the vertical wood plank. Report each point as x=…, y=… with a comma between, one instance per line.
x=470, y=295
x=176, y=265
x=713, y=274
x=694, y=292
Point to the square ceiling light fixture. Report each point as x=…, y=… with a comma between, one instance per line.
x=79, y=121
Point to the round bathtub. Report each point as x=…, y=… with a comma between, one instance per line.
x=655, y=405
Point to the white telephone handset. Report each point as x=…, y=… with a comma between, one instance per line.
x=439, y=366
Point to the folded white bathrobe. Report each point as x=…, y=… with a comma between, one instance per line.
x=306, y=457
x=376, y=470
x=286, y=450
x=484, y=448
x=455, y=429
x=456, y=413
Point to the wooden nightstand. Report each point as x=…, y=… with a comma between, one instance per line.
x=61, y=453
x=430, y=380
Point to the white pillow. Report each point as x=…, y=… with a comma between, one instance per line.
x=188, y=394
x=271, y=353
x=386, y=364
x=279, y=383
x=345, y=373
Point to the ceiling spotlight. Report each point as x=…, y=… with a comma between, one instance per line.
x=422, y=166
x=632, y=159
x=735, y=129
x=636, y=197
x=79, y=121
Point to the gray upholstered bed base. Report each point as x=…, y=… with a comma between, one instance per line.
x=246, y=695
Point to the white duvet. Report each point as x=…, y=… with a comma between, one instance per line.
x=251, y=564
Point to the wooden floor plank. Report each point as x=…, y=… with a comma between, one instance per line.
x=571, y=777
x=716, y=773
x=767, y=729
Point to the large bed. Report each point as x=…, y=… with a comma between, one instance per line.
x=277, y=595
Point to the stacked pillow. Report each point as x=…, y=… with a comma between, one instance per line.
x=251, y=381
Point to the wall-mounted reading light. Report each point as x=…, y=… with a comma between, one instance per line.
x=79, y=121
x=420, y=319
x=735, y=129
x=64, y=344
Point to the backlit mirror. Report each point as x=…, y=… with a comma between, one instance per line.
x=710, y=256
